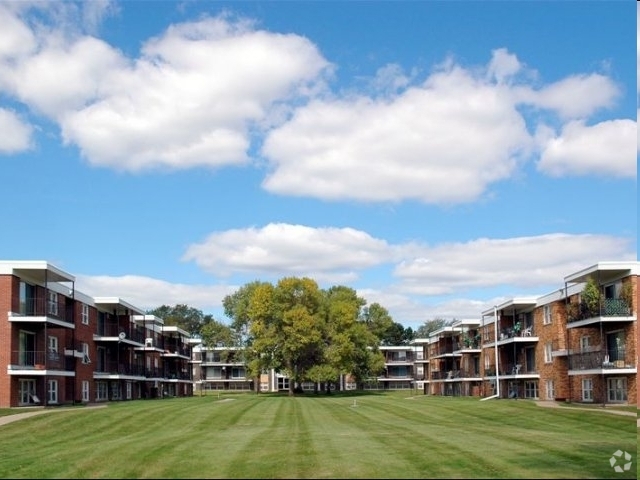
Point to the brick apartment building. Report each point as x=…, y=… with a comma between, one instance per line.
x=560, y=346
x=59, y=346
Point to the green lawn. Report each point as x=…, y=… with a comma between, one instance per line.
x=390, y=435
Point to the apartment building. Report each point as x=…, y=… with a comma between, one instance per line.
x=60, y=346
x=571, y=344
x=451, y=358
x=220, y=368
x=400, y=367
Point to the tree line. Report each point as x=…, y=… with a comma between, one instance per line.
x=300, y=330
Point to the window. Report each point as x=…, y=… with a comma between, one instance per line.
x=128, y=390
x=84, y=314
x=548, y=349
x=27, y=348
x=27, y=298
x=27, y=392
x=585, y=343
x=53, y=344
x=115, y=391
x=616, y=345
x=52, y=303
x=587, y=390
x=53, y=348
x=101, y=391
x=52, y=391
x=85, y=354
x=530, y=389
x=546, y=314
x=550, y=390
x=85, y=391
x=617, y=389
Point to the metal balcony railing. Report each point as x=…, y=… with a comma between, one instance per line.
x=609, y=307
x=41, y=359
x=605, y=359
x=43, y=307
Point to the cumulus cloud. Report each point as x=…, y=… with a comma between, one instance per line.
x=524, y=262
x=16, y=134
x=339, y=255
x=607, y=148
x=190, y=99
x=576, y=96
x=278, y=249
x=443, y=142
x=148, y=293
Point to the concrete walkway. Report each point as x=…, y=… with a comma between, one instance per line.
x=5, y=419
x=605, y=409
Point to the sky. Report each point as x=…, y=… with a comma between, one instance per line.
x=437, y=157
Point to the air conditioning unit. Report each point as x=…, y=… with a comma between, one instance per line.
x=148, y=342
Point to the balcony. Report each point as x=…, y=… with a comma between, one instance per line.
x=42, y=308
x=609, y=308
x=40, y=360
x=115, y=368
x=617, y=359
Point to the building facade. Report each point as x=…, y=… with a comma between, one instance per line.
x=59, y=346
x=578, y=343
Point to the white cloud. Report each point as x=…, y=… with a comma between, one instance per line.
x=79, y=69
x=576, y=96
x=276, y=250
x=430, y=286
x=444, y=141
x=148, y=293
x=189, y=100
x=607, y=148
x=525, y=262
x=503, y=65
x=339, y=255
x=16, y=134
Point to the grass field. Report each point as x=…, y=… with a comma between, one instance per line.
x=373, y=435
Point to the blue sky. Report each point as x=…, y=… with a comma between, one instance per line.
x=438, y=157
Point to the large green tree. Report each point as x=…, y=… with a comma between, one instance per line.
x=351, y=346
x=424, y=330
x=305, y=332
x=183, y=316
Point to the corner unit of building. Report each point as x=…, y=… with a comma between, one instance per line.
x=59, y=346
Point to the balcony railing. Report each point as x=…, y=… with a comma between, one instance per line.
x=115, y=368
x=603, y=359
x=40, y=360
x=43, y=307
x=609, y=307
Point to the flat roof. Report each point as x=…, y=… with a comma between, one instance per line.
x=36, y=269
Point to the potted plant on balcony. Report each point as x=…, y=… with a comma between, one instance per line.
x=627, y=296
x=516, y=329
x=591, y=298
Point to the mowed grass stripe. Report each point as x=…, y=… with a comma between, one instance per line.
x=283, y=448
x=317, y=436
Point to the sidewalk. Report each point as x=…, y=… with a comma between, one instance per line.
x=551, y=404
x=4, y=420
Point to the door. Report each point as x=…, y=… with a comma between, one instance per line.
x=27, y=349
